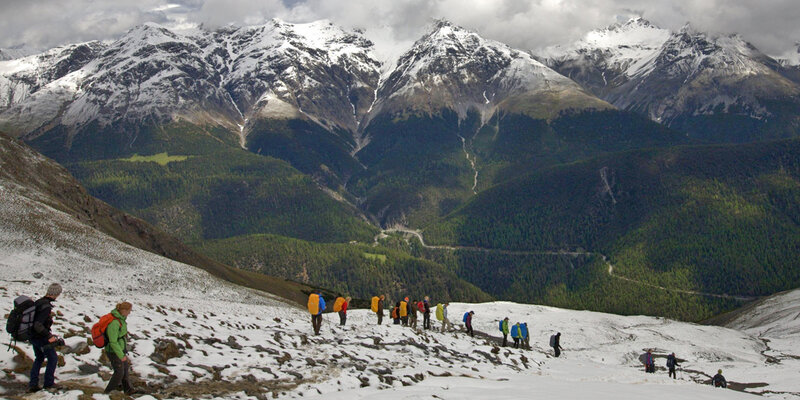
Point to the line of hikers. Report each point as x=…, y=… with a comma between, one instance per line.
x=31, y=321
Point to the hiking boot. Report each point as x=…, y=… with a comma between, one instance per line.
x=34, y=389
x=53, y=388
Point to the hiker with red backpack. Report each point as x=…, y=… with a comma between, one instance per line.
x=340, y=306
x=116, y=346
x=43, y=341
x=426, y=313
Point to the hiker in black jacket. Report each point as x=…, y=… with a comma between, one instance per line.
x=557, y=344
x=672, y=362
x=426, y=321
x=44, y=341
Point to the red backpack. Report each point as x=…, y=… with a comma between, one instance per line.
x=99, y=330
x=421, y=306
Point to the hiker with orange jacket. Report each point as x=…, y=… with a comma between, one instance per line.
x=396, y=314
x=117, y=349
x=340, y=306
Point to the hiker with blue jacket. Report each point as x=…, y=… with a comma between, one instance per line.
x=117, y=349
x=504, y=330
x=523, y=331
x=44, y=342
x=515, y=335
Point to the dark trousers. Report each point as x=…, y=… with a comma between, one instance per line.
x=404, y=320
x=505, y=339
x=672, y=373
x=650, y=368
x=426, y=321
x=557, y=350
x=41, y=350
x=516, y=342
x=342, y=318
x=380, y=318
x=121, y=376
x=469, y=329
x=316, y=323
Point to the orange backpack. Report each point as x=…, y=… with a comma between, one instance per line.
x=394, y=313
x=375, y=301
x=313, y=304
x=99, y=337
x=337, y=305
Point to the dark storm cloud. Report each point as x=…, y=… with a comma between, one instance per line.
x=770, y=25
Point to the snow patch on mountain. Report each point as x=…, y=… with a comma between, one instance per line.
x=629, y=47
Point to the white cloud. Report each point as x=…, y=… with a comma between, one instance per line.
x=772, y=26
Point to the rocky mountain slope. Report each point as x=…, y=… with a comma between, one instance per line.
x=30, y=181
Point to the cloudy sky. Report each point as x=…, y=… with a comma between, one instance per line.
x=772, y=25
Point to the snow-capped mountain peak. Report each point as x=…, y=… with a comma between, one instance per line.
x=453, y=68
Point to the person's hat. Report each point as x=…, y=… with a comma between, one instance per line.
x=719, y=372
x=53, y=290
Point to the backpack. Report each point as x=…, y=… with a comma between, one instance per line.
x=439, y=312
x=670, y=362
x=313, y=304
x=375, y=301
x=394, y=313
x=99, y=337
x=501, y=325
x=20, y=320
x=337, y=305
x=553, y=341
x=464, y=320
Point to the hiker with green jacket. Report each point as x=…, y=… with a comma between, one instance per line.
x=117, y=349
x=504, y=330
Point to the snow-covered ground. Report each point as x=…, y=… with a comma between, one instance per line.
x=194, y=336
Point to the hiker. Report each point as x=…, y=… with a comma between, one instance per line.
x=44, y=342
x=117, y=349
x=378, y=307
x=672, y=362
x=426, y=321
x=515, y=335
x=412, y=314
x=523, y=331
x=445, y=321
x=555, y=343
x=468, y=322
x=396, y=313
x=649, y=364
x=316, y=305
x=403, y=311
x=504, y=330
x=341, y=308
x=719, y=381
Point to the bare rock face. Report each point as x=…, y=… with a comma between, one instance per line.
x=165, y=349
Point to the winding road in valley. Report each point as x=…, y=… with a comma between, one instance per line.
x=418, y=235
